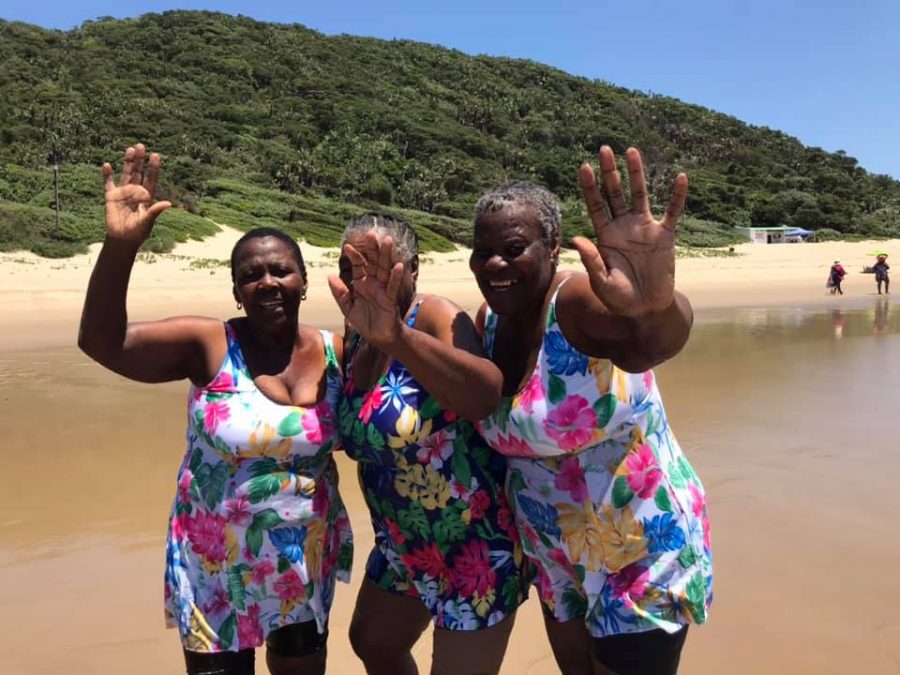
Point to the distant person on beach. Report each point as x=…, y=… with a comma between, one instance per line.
x=258, y=533
x=836, y=277
x=446, y=548
x=881, y=274
x=609, y=510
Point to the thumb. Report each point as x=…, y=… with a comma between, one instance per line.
x=154, y=211
x=342, y=295
x=591, y=259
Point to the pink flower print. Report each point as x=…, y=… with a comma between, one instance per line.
x=326, y=419
x=505, y=518
x=370, y=403
x=630, y=583
x=261, y=570
x=249, y=630
x=449, y=416
x=206, y=532
x=435, y=450
x=460, y=491
x=571, y=479
x=472, y=572
x=428, y=559
x=219, y=602
x=312, y=425
x=698, y=507
x=479, y=504
x=214, y=413
x=559, y=556
x=545, y=586
x=531, y=394
x=648, y=379
x=644, y=473
x=238, y=511
x=571, y=424
x=290, y=586
x=184, y=486
x=223, y=382
x=513, y=447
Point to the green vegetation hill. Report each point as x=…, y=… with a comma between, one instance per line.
x=276, y=124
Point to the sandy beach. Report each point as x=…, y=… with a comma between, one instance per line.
x=91, y=459
x=46, y=295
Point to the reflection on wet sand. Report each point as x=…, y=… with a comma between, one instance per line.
x=788, y=427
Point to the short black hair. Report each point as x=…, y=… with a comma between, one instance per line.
x=261, y=232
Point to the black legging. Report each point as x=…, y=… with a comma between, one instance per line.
x=653, y=652
x=299, y=639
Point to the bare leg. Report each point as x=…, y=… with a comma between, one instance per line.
x=471, y=652
x=384, y=628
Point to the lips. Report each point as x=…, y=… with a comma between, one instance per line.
x=501, y=286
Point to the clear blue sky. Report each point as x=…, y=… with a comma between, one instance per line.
x=827, y=72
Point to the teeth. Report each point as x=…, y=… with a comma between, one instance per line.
x=502, y=284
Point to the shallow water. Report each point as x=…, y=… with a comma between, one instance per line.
x=785, y=413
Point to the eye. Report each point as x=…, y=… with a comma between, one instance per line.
x=515, y=250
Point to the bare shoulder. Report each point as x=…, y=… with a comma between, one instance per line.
x=437, y=313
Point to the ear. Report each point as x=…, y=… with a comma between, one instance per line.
x=553, y=249
x=234, y=292
x=414, y=268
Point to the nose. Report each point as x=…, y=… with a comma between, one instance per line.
x=267, y=280
x=494, y=263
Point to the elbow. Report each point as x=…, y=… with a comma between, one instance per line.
x=479, y=402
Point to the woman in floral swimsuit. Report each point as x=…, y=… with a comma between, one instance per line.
x=446, y=549
x=258, y=534
x=610, y=512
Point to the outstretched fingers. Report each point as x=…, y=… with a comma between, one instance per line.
x=676, y=202
x=357, y=262
x=591, y=259
x=127, y=164
x=137, y=168
x=636, y=181
x=152, y=174
x=341, y=294
x=108, y=182
x=154, y=211
x=593, y=199
x=612, y=182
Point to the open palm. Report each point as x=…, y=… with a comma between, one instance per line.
x=130, y=210
x=632, y=265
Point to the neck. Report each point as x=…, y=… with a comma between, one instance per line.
x=281, y=338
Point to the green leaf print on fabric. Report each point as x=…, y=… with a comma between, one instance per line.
x=556, y=388
x=359, y=432
x=429, y=409
x=345, y=556
x=254, y=540
x=263, y=466
x=292, y=425
x=283, y=564
x=263, y=487
x=510, y=590
x=262, y=521
x=374, y=438
x=211, y=481
x=226, y=631
x=622, y=494
x=459, y=465
x=662, y=499
x=236, y=586
x=196, y=460
x=605, y=407
x=687, y=556
x=696, y=594
x=575, y=603
x=687, y=471
x=414, y=519
x=450, y=528
x=502, y=414
x=346, y=419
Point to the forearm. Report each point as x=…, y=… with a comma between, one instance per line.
x=104, y=318
x=657, y=336
x=467, y=384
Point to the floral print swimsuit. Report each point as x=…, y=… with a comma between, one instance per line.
x=443, y=529
x=608, y=508
x=258, y=532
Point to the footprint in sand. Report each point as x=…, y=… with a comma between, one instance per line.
x=889, y=637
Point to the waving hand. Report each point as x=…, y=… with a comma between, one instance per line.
x=130, y=210
x=632, y=265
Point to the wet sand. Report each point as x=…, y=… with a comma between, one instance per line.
x=785, y=413
x=783, y=406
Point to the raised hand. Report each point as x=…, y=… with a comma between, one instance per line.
x=130, y=210
x=369, y=302
x=632, y=265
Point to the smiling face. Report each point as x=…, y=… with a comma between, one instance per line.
x=269, y=283
x=510, y=260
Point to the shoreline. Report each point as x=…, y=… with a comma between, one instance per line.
x=45, y=295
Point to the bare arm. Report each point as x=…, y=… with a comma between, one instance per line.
x=157, y=351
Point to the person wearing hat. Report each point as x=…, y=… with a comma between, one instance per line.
x=836, y=277
x=881, y=273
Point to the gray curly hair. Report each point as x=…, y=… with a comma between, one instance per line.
x=523, y=191
x=406, y=241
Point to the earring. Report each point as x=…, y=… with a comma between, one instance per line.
x=239, y=305
x=303, y=295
